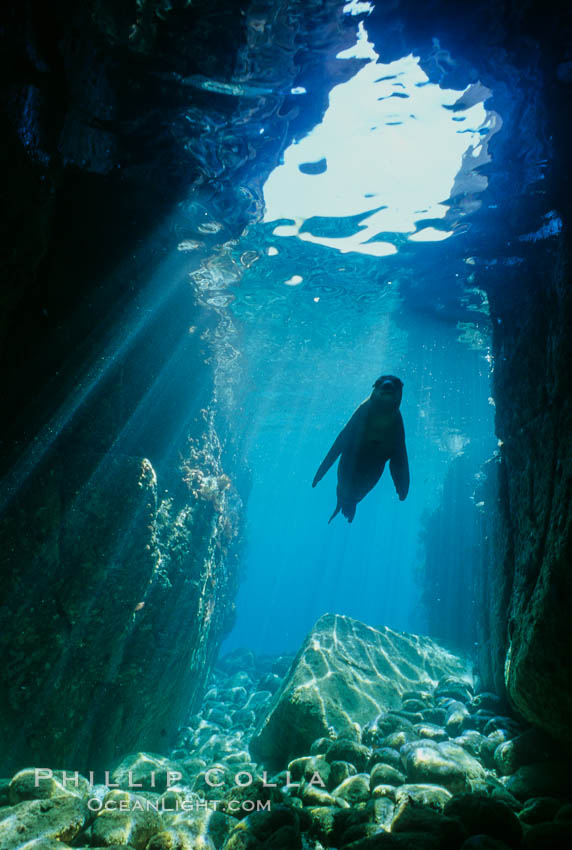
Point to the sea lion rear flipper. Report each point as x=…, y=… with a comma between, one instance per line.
x=338, y=506
x=348, y=510
x=399, y=465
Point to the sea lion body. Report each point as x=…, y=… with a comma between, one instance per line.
x=373, y=436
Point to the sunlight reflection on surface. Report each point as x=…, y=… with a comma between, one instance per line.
x=386, y=153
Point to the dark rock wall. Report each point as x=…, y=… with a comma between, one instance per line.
x=524, y=588
x=118, y=569
x=127, y=128
x=533, y=388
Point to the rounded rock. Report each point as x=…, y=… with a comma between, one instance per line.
x=539, y=810
x=506, y=724
x=549, y=836
x=546, y=779
x=133, y=826
x=383, y=811
x=413, y=705
x=398, y=739
x=146, y=770
x=456, y=718
x=483, y=842
x=353, y=790
x=344, y=749
x=386, y=755
x=424, y=795
x=54, y=819
x=41, y=784
x=380, y=792
x=385, y=774
x=479, y=814
x=471, y=766
x=527, y=748
x=488, y=701
x=427, y=765
x=410, y=818
x=564, y=813
x=430, y=731
x=320, y=746
x=458, y=689
x=339, y=771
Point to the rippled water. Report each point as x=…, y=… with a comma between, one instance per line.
x=342, y=281
x=306, y=356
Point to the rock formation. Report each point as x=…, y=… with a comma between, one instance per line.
x=346, y=674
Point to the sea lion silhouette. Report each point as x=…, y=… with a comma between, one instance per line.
x=373, y=436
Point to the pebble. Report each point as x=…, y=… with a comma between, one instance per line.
x=413, y=705
x=54, y=819
x=340, y=770
x=434, y=796
x=383, y=811
x=37, y=784
x=547, y=779
x=549, y=836
x=456, y=718
x=425, y=763
x=344, y=749
x=387, y=755
x=457, y=689
x=353, y=790
x=416, y=756
x=539, y=809
x=479, y=814
x=385, y=774
x=412, y=818
x=435, y=716
x=431, y=731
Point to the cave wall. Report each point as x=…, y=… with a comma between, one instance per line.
x=533, y=387
x=524, y=566
x=128, y=129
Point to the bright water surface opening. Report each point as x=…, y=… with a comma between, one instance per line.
x=385, y=155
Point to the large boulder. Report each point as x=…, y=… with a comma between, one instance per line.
x=344, y=675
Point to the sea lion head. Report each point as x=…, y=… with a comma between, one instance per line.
x=387, y=392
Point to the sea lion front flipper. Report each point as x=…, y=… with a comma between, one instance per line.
x=341, y=443
x=332, y=456
x=399, y=465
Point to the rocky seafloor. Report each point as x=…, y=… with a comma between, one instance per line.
x=444, y=767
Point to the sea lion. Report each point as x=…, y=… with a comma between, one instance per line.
x=373, y=436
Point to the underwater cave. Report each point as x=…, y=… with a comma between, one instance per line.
x=229, y=225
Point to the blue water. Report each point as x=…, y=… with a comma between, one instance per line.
x=360, y=268
x=305, y=367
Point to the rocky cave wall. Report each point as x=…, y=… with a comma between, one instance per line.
x=128, y=129
x=524, y=569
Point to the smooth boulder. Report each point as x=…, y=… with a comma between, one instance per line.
x=344, y=676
